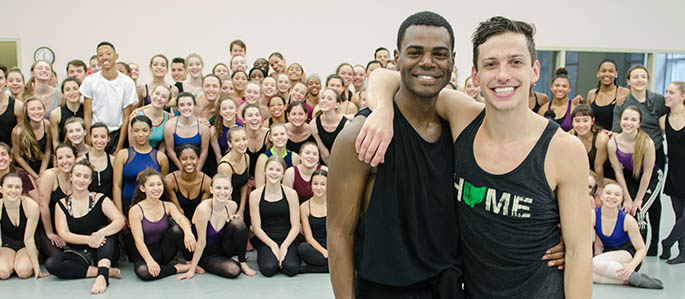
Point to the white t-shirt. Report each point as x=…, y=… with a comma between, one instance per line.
x=110, y=97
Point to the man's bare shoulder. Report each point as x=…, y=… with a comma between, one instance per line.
x=567, y=154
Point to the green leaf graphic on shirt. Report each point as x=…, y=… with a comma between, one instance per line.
x=472, y=194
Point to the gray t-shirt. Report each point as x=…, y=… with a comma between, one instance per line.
x=652, y=109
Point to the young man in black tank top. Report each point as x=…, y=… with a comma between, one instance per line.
x=506, y=206
x=394, y=247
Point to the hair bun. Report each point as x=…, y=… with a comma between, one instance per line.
x=561, y=71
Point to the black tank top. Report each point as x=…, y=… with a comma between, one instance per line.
x=254, y=156
x=102, y=181
x=318, y=226
x=188, y=204
x=66, y=114
x=237, y=182
x=537, y=106
x=327, y=138
x=55, y=197
x=87, y=224
x=675, y=141
x=592, y=154
x=409, y=232
x=8, y=121
x=604, y=115
x=275, y=217
x=295, y=146
x=35, y=163
x=11, y=234
x=506, y=223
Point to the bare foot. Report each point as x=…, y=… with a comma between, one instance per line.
x=182, y=268
x=198, y=269
x=114, y=273
x=247, y=270
x=249, y=246
x=99, y=286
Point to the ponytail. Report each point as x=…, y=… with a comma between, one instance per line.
x=641, y=142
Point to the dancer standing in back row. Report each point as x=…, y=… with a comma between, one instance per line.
x=109, y=97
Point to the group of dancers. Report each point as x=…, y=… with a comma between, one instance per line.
x=432, y=189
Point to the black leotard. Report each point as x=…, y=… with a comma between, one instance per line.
x=238, y=181
x=55, y=197
x=275, y=217
x=13, y=235
x=255, y=155
x=103, y=180
x=295, y=146
x=593, y=150
x=87, y=224
x=318, y=226
x=8, y=121
x=604, y=115
x=327, y=138
x=65, y=115
x=188, y=204
x=35, y=164
x=537, y=106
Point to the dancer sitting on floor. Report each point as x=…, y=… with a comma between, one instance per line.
x=157, y=241
x=215, y=247
x=313, y=217
x=618, y=254
x=88, y=222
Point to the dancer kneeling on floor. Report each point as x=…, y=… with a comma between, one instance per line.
x=623, y=249
x=313, y=217
x=275, y=214
x=157, y=241
x=18, y=252
x=88, y=222
x=221, y=234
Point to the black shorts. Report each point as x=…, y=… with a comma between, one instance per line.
x=113, y=142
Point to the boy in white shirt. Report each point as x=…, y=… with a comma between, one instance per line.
x=109, y=97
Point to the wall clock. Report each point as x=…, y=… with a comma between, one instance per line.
x=44, y=53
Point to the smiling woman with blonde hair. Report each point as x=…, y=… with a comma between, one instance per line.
x=618, y=254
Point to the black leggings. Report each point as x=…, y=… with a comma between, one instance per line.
x=268, y=263
x=71, y=265
x=653, y=212
x=162, y=252
x=44, y=245
x=678, y=231
x=217, y=259
x=129, y=245
x=316, y=262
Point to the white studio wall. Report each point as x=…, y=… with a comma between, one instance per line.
x=318, y=34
